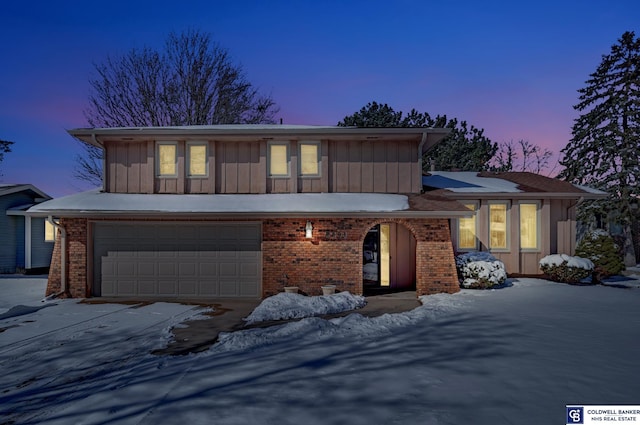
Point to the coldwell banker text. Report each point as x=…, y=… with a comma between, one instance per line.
x=599, y=414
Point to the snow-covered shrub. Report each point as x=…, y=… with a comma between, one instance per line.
x=480, y=270
x=565, y=268
x=598, y=246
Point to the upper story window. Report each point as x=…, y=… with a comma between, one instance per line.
x=49, y=232
x=309, y=159
x=166, y=159
x=467, y=228
x=498, y=226
x=529, y=226
x=278, y=159
x=197, y=159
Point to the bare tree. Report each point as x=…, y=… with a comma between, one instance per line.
x=521, y=156
x=5, y=147
x=193, y=81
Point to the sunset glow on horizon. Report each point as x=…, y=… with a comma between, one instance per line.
x=512, y=68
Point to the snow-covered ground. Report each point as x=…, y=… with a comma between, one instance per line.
x=513, y=355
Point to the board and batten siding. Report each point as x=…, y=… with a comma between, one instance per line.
x=360, y=166
x=241, y=167
x=130, y=167
x=374, y=167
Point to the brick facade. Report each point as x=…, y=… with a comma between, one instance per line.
x=76, y=262
x=332, y=256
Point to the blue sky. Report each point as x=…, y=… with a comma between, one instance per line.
x=509, y=67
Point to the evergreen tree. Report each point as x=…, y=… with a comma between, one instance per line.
x=465, y=148
x=604, y=150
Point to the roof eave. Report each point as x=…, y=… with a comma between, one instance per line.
x=247, y=215
x=524, y=195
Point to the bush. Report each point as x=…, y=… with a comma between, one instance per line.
x=480, y=270
x=599, y=247
x=567, y=269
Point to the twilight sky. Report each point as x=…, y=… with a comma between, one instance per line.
x=510, y=67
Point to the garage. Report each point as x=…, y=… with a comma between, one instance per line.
x=177, y=260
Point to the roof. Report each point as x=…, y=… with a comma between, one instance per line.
x=243, y=132
x=8, y=189
x=95, y=203
x=524, y=184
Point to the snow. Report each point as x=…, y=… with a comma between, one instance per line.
x=512, y=355
x=558, y=259
x=96, y=201
x=292, y=306
x=477, y=184
x=480, y=266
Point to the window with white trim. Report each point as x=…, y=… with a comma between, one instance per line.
x=498, y=226
x=166, y=159
x=197, y=159
x=278, y=159
x=309, y=154
x=529, y=225
x=467, y=228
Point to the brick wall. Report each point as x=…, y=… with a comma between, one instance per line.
x=76, y=264
x=334, y=254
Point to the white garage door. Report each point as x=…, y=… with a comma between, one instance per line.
x=183, y=260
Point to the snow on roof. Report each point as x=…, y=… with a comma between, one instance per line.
x=100, y=202
x=468, y=182
x=505, y=182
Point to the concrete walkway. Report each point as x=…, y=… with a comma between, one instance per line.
x=198, y=335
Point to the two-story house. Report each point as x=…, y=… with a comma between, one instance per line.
x=244, y=210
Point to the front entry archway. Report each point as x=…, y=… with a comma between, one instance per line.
x=389, y=259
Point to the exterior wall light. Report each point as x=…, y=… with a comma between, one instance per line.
x=308, y=230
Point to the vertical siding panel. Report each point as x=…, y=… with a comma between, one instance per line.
x=293, y=170
x=231, y=167
x=211, y=181
x=220, y=177
x=355, y=168
x=545, y=225
x=367, y=167
x=342, y=167
x=416, y=172
x=332, y=172
x=180, y=181
x=379, y=168
x=262, y=174
x=392, y=167
x=148, y=170
x=111, y=167
x=244, y=167
x=121, y=168
x=255, y=168
x=483, y=225
x=133, y=178
x=324, y=167
x=404, y=167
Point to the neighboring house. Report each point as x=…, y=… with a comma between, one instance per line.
x=520, y=216
x=26, y=243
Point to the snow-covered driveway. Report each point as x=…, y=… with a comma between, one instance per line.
x=511, y=356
